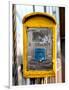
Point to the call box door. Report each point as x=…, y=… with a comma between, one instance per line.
x=39, y=49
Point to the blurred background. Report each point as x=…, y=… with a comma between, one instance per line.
x=18, y=12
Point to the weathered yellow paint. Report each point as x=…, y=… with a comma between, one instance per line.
x=40, y=22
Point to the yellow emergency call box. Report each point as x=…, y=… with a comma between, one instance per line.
x=39, y=45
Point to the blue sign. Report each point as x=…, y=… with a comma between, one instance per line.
x=40, y=54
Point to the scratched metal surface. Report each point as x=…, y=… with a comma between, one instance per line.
x=40, y=38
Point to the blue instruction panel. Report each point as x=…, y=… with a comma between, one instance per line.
x=40, y=54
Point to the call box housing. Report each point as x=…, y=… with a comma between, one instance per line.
x=39, y=45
